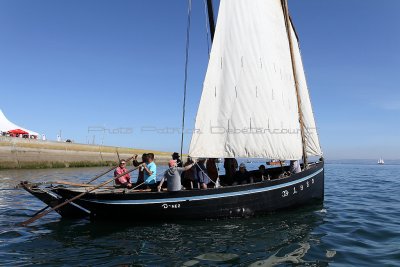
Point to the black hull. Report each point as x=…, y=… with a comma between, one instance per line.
x=234, y=201
x=51, y=199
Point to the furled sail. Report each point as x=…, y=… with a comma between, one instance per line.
x=248, y=106
x=312, y=145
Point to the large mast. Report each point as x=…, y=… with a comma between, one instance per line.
x=186, y=72
x=211, y=23
x=301, y=117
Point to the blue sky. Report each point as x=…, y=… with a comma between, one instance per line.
x=71, y=65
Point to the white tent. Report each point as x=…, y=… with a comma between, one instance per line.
x=6, y=125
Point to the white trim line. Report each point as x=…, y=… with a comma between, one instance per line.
x=205, y=197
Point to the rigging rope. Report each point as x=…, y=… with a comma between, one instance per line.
x=217, y=184
x=186, y=71
x=207, y=27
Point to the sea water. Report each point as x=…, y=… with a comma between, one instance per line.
x=357, y=225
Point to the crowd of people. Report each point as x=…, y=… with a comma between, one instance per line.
x=193, y=174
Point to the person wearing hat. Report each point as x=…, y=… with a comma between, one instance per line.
x=176, y=157
x=173, y=176
x=261, y=175
x=242, y=175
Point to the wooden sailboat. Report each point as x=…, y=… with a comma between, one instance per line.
x=381, y=162
x=255, y=104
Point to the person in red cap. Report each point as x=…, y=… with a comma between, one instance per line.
x=173, y=176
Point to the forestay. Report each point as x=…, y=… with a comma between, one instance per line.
x=248, y=106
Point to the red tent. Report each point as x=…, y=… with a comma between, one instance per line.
x=17, y=131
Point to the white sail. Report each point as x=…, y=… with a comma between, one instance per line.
x=248, y=106
x=313, y=147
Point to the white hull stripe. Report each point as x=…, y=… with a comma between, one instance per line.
x=72, y=203
x=205, y=197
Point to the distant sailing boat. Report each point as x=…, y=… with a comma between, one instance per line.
x=380, y=161
x=254, y=104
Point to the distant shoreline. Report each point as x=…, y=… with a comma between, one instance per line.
x=18, y=153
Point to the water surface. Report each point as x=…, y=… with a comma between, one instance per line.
x=358, y=225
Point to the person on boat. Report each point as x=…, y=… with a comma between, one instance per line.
x=230, y=165
x=212, y=169
x=189, y=176
x=242, y=176
x=201, y=175
x=176, y=157
x=125, y=180
x=261, y=175
x=140, y=179
x=173, y=176
x=294, y=167
x=150, y=172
